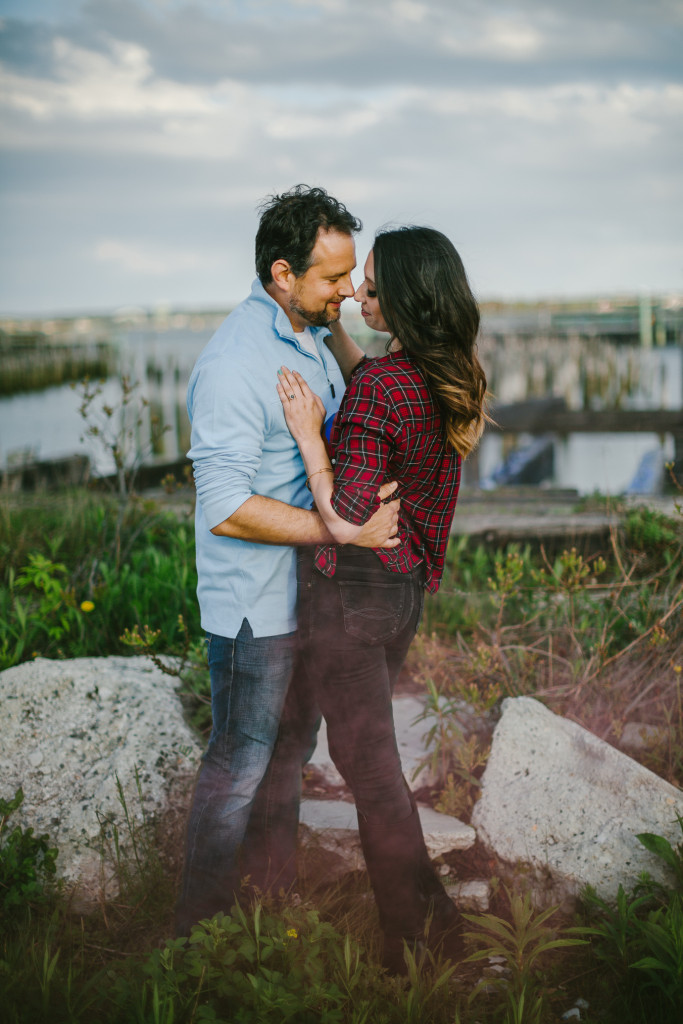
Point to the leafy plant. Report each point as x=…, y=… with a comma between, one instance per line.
x=662, y=848
x=454, y=759
x=646, y=529
x=259, y=967
x=640, y=938
x=520, y=944
x=80, y=601
x=619, y=925
x=662, y=936
x=27, y=863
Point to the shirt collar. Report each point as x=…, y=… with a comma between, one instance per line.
x=281, y=323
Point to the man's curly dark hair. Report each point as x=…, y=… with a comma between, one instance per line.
x=289, y=227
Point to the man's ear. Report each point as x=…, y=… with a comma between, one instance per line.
x=283, y=276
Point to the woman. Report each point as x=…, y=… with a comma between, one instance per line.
x=410, y=417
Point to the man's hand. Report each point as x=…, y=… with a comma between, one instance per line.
x=381, y=529
x=268, y=521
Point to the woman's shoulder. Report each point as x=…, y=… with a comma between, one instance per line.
x=392, y=367
x=392, y=381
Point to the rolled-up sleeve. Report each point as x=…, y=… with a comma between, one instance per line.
x=363, y=443
x=227, y=437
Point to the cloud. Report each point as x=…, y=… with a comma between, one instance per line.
x=384, y=43
x=142, y=258
x=140, y=135
x=497, y=37
x=88, y=84
x=409, y=11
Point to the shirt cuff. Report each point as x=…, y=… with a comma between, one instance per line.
x=355, y=504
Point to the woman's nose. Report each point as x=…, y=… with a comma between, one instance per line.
x=358, y=294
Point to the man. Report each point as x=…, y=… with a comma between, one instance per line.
x=252, y=510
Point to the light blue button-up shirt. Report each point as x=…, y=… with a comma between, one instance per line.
x=241, y=446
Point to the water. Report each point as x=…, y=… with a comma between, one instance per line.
x=603, y=463
x=46, y=425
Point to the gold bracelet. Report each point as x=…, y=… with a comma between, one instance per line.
x=327, y=469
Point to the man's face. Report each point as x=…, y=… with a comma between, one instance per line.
x=316, y=297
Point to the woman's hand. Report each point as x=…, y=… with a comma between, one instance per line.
x=304, y=410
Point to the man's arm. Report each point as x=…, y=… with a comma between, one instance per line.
x=268, y=521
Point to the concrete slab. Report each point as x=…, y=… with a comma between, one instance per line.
x=335, y=829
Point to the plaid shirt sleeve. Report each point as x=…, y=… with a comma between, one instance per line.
x=365, y=431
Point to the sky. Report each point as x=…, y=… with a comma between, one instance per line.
x=138, y=137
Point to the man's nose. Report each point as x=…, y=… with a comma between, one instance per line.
x=346, y=287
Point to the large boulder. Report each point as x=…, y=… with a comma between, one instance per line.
x=83, y=738
x=559, y=799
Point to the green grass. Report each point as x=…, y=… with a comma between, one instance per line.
x=77, y=571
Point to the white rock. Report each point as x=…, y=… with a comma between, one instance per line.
x=472, y=897
x=640, y=736
x=87, y=723
x=334, y=828
x=555, y=796
x=443, y=833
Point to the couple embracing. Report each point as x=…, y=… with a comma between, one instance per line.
x=326, y=485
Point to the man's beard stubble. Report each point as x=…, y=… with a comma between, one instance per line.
x=319, y=318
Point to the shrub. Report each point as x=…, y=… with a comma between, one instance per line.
x=27, y=865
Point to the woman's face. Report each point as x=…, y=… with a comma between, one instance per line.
x=367, y=296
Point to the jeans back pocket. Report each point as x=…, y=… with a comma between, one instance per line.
x=372, y=611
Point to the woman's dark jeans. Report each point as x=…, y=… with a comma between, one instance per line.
x=355, y=629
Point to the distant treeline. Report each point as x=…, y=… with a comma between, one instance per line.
x=31, y=361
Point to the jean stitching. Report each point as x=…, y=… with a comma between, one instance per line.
x=392, y=623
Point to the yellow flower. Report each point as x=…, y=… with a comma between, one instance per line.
x=87, y=606
x=292, y=933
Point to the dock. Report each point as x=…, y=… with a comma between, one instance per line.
x=553, y=518
x=552, y=416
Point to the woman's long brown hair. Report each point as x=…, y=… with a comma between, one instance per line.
x=427, y=303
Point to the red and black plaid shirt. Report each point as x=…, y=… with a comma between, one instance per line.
x=389, y=428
